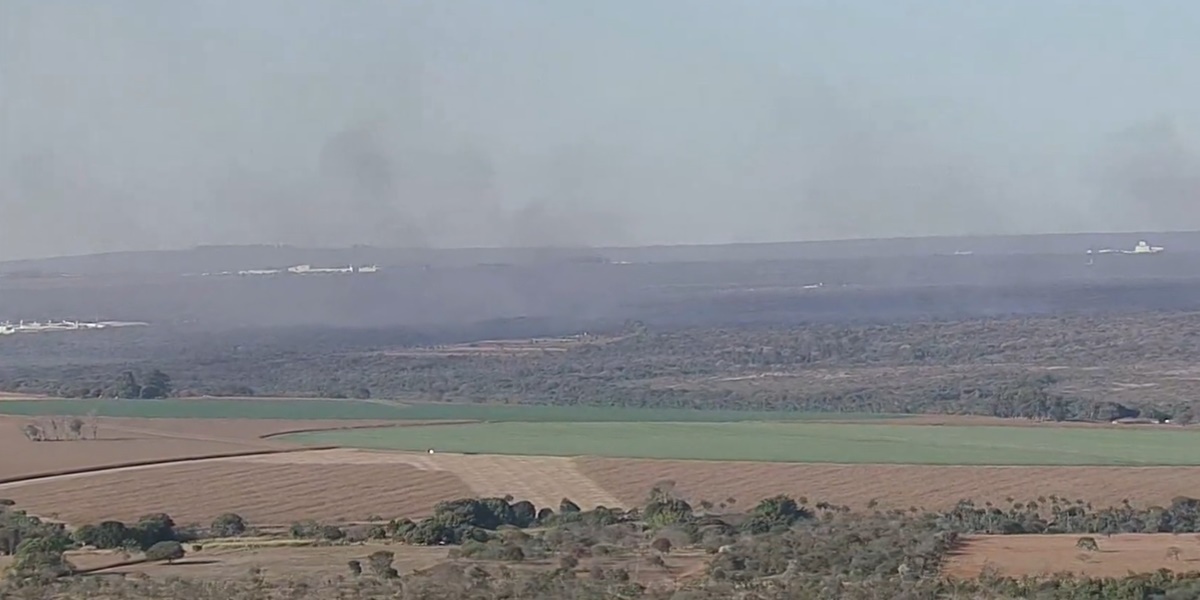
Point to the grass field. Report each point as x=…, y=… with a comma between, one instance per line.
x=356, y=409
x=793, y=442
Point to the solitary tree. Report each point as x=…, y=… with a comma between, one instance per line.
x=76, y=428
x=381, y=564
x=1087, y=543
x=169, y=551
x=228, y=525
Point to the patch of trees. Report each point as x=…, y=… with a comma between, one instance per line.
x=58, y=429
x=1060, y=515
x=782, y=548
x=141, y=536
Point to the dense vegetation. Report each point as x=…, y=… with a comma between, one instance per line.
x=781, y=548
x=1060, y=368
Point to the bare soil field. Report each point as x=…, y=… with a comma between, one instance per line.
x=329, y=485
x=1018, y=555
x=123, y=440
x=899, y=486
x=265, y=493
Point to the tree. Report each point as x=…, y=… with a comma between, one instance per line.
x=228, y=525
x=1087, y=543
x=380, y=563
x=661, y=545
x=33, y=432
x=105, y=536
x=128, y=386
x=355, y=567
x=566, y=506
x=169, y=551
x=39, y=558
x=158, y=385
x=76, y=428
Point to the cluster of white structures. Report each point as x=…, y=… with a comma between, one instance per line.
x=300, y=270
x=1141, y=248
x=10, y=328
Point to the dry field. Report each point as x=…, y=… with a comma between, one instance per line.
x=1019, y=555
x=329, y=485
x=899, y=486
x=219, y=562
x=349, y=485
x=124, y=440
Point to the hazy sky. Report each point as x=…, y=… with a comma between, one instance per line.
x=130, y=124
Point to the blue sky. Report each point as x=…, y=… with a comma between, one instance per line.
x=529, y=122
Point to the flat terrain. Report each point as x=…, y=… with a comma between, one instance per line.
x=794, y=442
x=223, y=561
x=120, y=441
x=1018, y=555
x=894, y=486
x=306, y=409
x=349, y=485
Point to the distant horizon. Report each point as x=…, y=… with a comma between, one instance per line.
x=793, y=242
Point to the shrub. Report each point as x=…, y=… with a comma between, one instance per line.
x=169, y=551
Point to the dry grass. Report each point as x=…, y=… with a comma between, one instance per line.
x=277, y=562
x=280, y=562
x=1018, y=555
x=899, y=486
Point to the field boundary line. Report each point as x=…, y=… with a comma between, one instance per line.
x=154, y=463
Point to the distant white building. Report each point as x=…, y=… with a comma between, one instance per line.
x=1143, y=248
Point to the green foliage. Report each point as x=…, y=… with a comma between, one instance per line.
x=777, y=512
x=169, y=551
x=228, y=525
x=148, y=531
x=380, y=563
x=39, y=559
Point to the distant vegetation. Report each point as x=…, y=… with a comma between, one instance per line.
x=1061, y=368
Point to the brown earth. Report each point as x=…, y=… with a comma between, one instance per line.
x=278, y=562
x=262, y=492
x=124, y=440
x=899, y=486
x=1035, y=554
x=328, y=485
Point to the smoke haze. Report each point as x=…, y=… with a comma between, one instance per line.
x=142, y=125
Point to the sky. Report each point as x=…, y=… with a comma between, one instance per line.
x=142, y=124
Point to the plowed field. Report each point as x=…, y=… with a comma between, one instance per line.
x=898, y=486
x=1018, y=555
x=262, y=492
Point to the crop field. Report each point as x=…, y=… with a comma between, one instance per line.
x=298, y=409
x=920, y=461
x=793, y=442
x=1044, y=554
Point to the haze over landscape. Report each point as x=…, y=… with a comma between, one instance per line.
x=139, y=125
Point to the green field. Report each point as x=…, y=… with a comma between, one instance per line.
x=792, y=442
x=354, y=409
